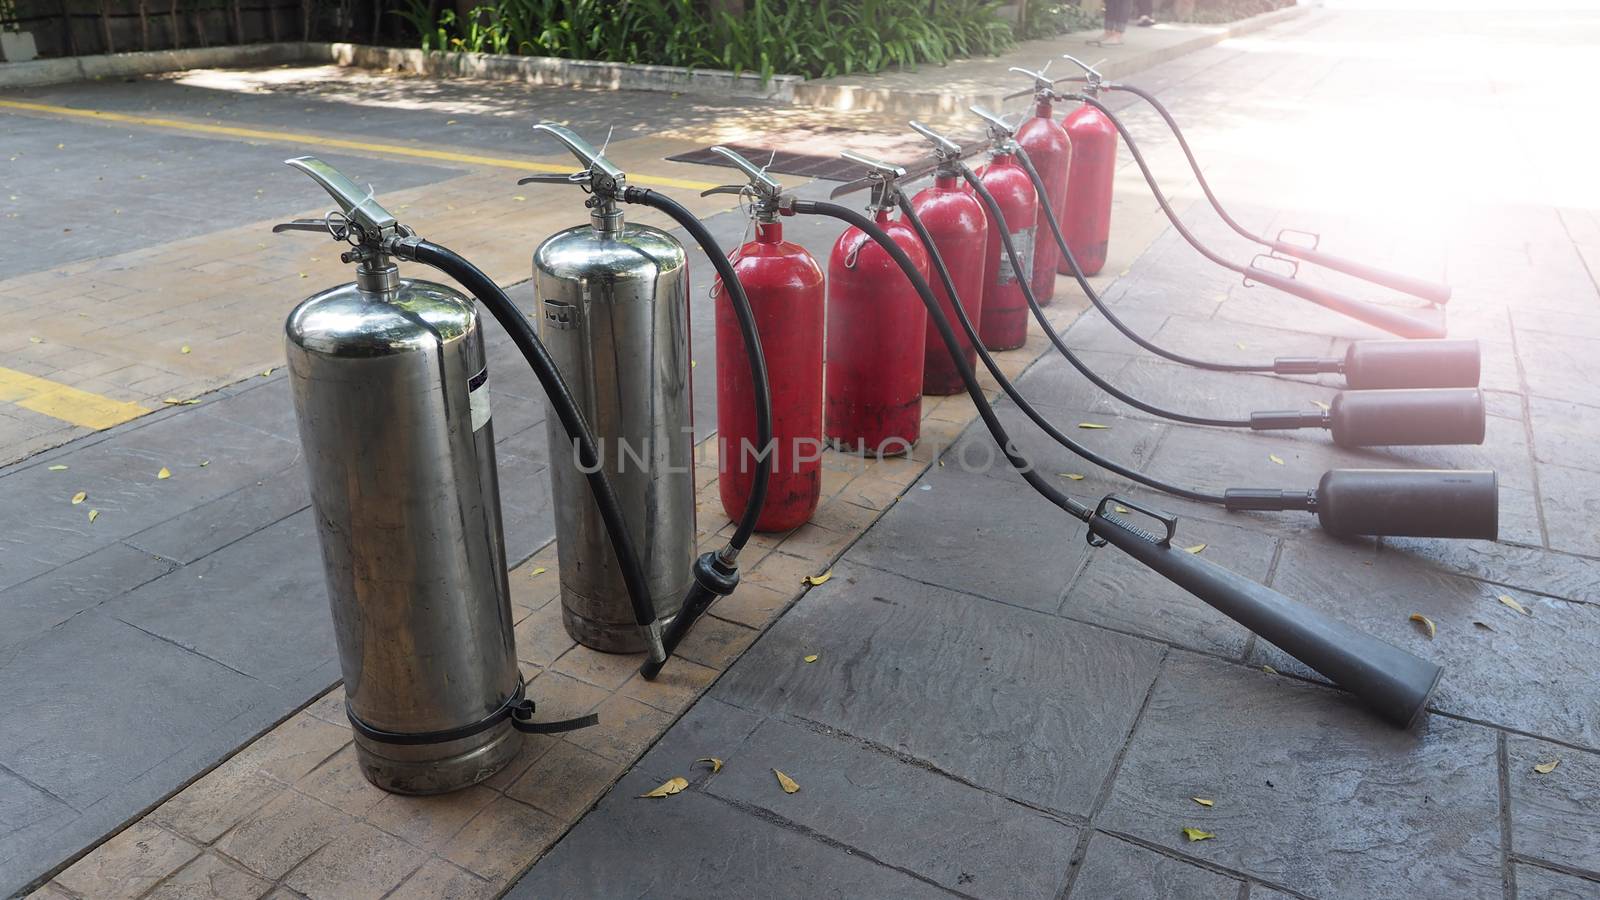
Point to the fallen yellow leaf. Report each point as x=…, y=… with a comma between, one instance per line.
x=716, y=764
x=1204, y=801
x=1195, y=549
x=815, y=580
x=1119, y=507
x=58, y=468
x=1426, y=623
x=1239, y=344
x=1195, y=834
x=174, y=401
x=34, y=340
x=1074, y=476
x=668, y=788
x=204, y=463
x=1092, y=425
x=788, y=784
x=1547, y=768
x=185, y=347
x=1269, y=670
x=164, y=474
x=1322, y=406
x=812, y=658
x=1275, y=458
x=268, y=371
x=519, y=198
x=94, y=514
x=79, y=497
x=1507, y=600
x=538, y=571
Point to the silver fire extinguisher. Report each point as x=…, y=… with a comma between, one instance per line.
x=391, y=393
x=613, y=309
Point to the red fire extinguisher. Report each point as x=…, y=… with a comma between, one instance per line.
x=784, y=285
x=1004, y=321
x=876, y=323
x=956, y=221
x=1085, y=217
x=1050, y=149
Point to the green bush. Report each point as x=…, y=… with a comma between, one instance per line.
x=793, y=37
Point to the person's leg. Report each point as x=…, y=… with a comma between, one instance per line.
x=1145, y=10
x=1116, y=21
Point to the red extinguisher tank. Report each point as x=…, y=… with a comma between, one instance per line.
x=1086, y=216
x=1004, y=323
x=876, y=323
x=784, y=284
x=956, y=221
x=1050, y=150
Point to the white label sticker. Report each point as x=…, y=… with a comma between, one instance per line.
x=1023, y=241
x=478, y=398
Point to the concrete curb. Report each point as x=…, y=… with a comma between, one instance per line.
x=935, y=102
x=527, y=69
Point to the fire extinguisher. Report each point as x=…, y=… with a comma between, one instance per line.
x=1050, y=148
x=785, y=287
x=874, y=373
x=1003, y=324
x=1086, y=214
x=960, y=229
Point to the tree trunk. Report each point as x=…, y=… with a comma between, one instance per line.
x=66, y=22
x=144, y=25
x=235, y=15
x=174, y=24
x=272, y=20
x=105, y=26
x=200, y=27
x=377, y=19
x=305, y=20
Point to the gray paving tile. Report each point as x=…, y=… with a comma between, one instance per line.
x=44, y=602
x=1127, y=441
x=1053, y=382
x=693, y=846
x=1563, y=432
x=1024, y=704
x=1535, y=883
x=93, y=677
x=1530, y=568
x=1115, y=591
x=1311, y=792
x=1571, y=503
x=25, y=808
x=266, y=404
x=1514, y=675
x=258, y=606
x=982, y=535
x=866, y=799
x=1213, y=459
x=1117, y=868
x=1225, y=395
x=206, y=528
x=711, y=728
x=42, y=529
x=1556, y=816
x=1559, y=365
x=1219, y=342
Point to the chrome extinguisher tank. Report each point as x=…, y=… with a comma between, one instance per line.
x=391, y=392
x=613, y=310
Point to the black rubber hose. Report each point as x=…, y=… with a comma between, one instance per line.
x=936, y=315
x=480, y=285
x=717, y=574
x=1011, y=390
x=1436, y=293
x=1395, y=321
x=1094, y=296
x=998, y=218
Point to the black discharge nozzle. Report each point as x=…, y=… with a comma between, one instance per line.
x=1392, y=682
x=1391, y=417
x=1434, y=503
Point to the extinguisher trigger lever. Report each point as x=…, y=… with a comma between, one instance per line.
x=355, y=204
x=944, y=148
x=604, y=178
x=883, y=176
x=1092, y=79
x=1000, y=133
x=554, y=178
x=1043, y=87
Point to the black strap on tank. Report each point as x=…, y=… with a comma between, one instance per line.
x=518, y=708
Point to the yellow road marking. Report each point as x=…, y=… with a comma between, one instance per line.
x=68, y=404
x=291, y=137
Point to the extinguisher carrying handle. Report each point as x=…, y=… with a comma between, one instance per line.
x=1394, y=321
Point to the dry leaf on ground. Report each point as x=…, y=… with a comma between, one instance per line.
x=79, y=497
x=811, y=658
x=716, y=764
x=668, y=788
x=1093, y=426
x=1547, y=768
x=815, y=580
x=1425, y=622
x=164, y=474
x=1195, y=834
x=788, y=784
x=1275, y=458
x=1508, y=601
x=1203, y=801
x=1195, y=549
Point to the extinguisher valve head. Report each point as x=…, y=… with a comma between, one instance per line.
x=1043, y=87
x=1092, y=79
x=372, y=232
x=769, y=199
x=884, y=176
x=1000, y=132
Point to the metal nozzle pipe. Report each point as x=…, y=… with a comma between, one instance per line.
x=1439, y=503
